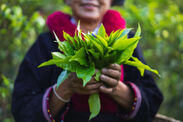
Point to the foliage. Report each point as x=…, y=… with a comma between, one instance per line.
x=162, y=42
x=84, y=53
x=17, y=32
x=5, y=96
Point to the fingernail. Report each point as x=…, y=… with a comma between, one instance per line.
x=102, y=76
x=104, y=70
x=101, y=87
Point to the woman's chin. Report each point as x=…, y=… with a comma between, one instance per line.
x=89, y=14
x=90, y=17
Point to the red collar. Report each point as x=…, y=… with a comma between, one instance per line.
x=60, y=22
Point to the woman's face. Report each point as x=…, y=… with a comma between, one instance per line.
x=89, y=9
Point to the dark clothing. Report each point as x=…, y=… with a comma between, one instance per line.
x=32, y=82
x=117, y=2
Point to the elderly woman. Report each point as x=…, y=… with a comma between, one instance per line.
x=124, y=94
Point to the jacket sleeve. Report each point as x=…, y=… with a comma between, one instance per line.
x=151, y=95
x=32, y=82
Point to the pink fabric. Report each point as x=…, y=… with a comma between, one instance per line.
x=113, y=21
x=138, y=96
x=139, y=100
x=44, y=104
x=59, y=22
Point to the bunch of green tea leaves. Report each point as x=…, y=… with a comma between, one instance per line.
x=84, y=53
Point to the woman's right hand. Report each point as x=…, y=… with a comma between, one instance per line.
x=76, y=85
x=70, y=86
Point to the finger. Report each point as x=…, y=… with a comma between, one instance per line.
x=80, y=82
x=75, y=85
x=92, y=81
x=78, y=88
x=86, y=92
x=74, y=78
x=110, y=81
x=105, y=89
x=73, y=75
x=93, y=91
x=111, y=72
x=87, y=87
x=115, y=67
x=93, y=86
x=77, y=80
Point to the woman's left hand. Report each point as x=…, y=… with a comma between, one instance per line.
x=112, y=85
x=110, y=77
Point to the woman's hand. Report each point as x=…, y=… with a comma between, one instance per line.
x=119, y=91
x=76, y=85
x=110, y=77
x=70, y=86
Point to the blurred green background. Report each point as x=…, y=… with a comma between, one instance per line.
x=21, y=21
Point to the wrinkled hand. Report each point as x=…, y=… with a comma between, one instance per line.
x=76, y=85
x=110, y=77
x=70, y=86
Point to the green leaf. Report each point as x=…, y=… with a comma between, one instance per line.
x=97, y=44
x=127, y=53
x=97, y=76
x=137, y=63
x=96, y=55
x=125, y=32
x=64, y=46
x=79, y=36
x=85, y=73
x=80, y=56
x=67, y=65
x=60, y=46
x=63, y=75
x=56, y=37
x=87, y=40
x=78, y=26
x=94, y=104
x=111, y=57
x=58, y=55
x=62, y=63
x=6, y=81
x=70, y=39
x=77, y=41
x=113, y=36
x=102, y=31
x=117, y=34
x=68, y=50
x=102, y=40
x=122, y=44
x=138, y=33
x=50, y=62
x=143, y=66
